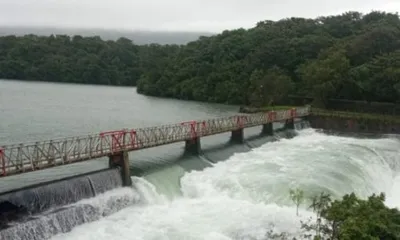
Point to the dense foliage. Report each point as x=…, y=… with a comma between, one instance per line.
x=354, y=218
x=348, y=218
x=65, y=59
x=349, y=56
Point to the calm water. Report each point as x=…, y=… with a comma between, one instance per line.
x=38, y=111
x=32, y=111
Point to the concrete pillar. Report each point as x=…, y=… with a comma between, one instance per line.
x=121, y=160
x=193, y=146
x=289, y=124
x=267, y=129
x=237, y=136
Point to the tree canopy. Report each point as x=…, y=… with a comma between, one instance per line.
x=349, y=56
x=74, y=60
x=346, y=219
x=353, y=218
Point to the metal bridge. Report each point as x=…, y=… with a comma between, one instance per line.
x=26, y=157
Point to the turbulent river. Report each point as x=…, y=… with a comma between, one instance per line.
x=248, y=195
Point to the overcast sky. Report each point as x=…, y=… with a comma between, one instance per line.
x=188, y=15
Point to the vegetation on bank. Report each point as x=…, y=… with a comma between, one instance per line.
x=328, y=113
x=357, y=115
x=348, y=218
x=74, y=60
x=349, y=56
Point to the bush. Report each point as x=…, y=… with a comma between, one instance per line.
x=352, y=218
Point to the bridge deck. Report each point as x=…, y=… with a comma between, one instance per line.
x=21, y=158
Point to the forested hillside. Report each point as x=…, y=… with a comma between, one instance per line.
x=64, y=59
x=349, y=56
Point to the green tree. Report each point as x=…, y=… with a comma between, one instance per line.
x=297, y=196
x=61, y=58
x=325, y=75
x=354, y=218
x=269, y=87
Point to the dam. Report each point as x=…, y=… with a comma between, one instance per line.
x=227, y=191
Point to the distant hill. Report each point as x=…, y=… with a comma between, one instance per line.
x=138, y=37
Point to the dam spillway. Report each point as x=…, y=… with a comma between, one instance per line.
x=182, y=188
x=58, y=199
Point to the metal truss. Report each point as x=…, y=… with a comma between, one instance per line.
x=21, y=158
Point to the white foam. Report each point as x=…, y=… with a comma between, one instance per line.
x=88, y=210
x=246, y=196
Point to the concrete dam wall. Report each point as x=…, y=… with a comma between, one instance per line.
x=42, y=197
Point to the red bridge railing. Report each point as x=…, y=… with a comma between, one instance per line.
x=20, y=158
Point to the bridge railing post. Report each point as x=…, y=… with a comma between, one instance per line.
x=116, y=139
x=200, y=128
x=267, y=128
x=124, y=140
x=237, y=135
x=90, y=152
x=193, y=144
x=204, y=127
x=190, y=128
x=19, y=161
x=293, y=113
x=133, y=139
x=101, y=143
x=289, y=122
x=50, y=157
x=3, y=162
x=193, y=129
x=271, y=116
x=239, y=121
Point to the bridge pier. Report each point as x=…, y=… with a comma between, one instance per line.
x=237, y=136
x=289, y=124
x=193, y=146
x=121, y=161
x=267, y=129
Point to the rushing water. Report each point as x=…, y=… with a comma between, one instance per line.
x=247, y=195
x=204, y=197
